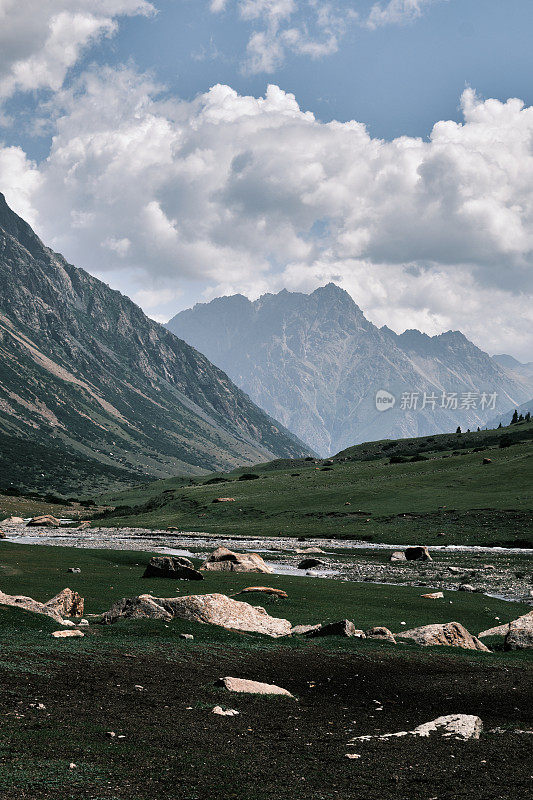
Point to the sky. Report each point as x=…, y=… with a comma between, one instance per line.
x=184, y=149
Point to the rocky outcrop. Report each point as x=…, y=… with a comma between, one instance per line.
x=499, y=630
x=13, y=521
x=451, y=634
x=173, y=567
x=66, y=603
x=211, y=609
x=520, y=634
x=244, y=686
x=224, y=560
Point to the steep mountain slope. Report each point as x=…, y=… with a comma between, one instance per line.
x=516, y=369
x=316, y=363
x=84, y=371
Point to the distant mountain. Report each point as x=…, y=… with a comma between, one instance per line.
x=316, y=363
x=84, y=372
x=505, y=418
x=523, y=371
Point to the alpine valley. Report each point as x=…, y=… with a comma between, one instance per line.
x=93, y=392
x=316, y=363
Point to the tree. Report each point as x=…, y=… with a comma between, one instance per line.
x=478, y=428
x=458, y=429
x=514, y=419
x=500, y=425
x=527, y=418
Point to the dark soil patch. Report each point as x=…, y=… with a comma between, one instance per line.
x=176, y=749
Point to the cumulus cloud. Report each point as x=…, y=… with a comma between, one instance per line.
x=251, y=194
x=40, y=40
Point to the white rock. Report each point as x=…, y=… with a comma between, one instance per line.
x=452, y=726
x=252, y=687
x=66, y=634
x=228, y=712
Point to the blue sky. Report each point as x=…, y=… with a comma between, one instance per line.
x=117, y=149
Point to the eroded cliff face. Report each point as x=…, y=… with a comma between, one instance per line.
x=315, y=363
x=84, y=371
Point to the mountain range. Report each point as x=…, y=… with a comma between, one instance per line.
x=316, y=363
x=93, y=383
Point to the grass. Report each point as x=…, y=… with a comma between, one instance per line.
x=449, y=496
x=107, y=575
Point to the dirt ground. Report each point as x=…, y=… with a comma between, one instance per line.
x=175, y=748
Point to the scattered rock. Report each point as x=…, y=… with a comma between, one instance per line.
x=309, y=563
x=342, y=628
x=69, y=634
x=175, y=567
x=398, y=555
x=212, y=609
x=225, y=712
x=451, y=634
x=452, y=726
x=433, y=596
x=251, y=687
x=520, y=635
x=75, y=570
x=263, y=590
x=187, y=636
x=66, y=603
x=419, y=553
x=226, y=560
x=110, y=734
x=379, y=632
x=45, y=521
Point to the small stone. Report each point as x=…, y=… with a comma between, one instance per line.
x=225, y=712
x=75, y=570
x=187, y=636
x=110, y=734
x=138, y=688
x=72, y=765
x=353, y=755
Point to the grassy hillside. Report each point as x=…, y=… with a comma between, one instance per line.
x=433, y=489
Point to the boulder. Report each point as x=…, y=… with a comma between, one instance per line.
x=2, y=534
x=263, y=590
x=398, y=555
x=225, y=712
x=74, y=570
x=226, y=560
x=342, y=628
x=142, y=607
x=301, y=630
x=487, y=460
x=520, y=635
x=499, y=630
x=175, y=567
x=66, y=603
x=45, y=521
x=452, y=726
x=419, y=553
x=67, y=634
x=308, y=550
x=466, y=587
x=224, y=500
x=379, y=632
x=433, y=596
x=13, y=521
x=251, y=687
x=309, y=563
x=451, y=634
x=211, y=609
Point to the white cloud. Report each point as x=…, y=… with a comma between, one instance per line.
x=251, y=194
x=305, y=27
x=40, y=40
x=397, y=12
